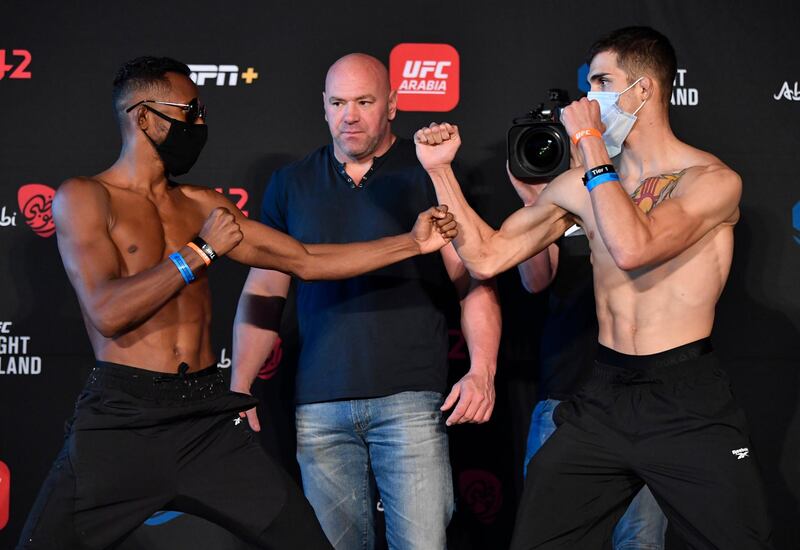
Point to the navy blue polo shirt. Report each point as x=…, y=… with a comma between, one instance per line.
x=383, y=332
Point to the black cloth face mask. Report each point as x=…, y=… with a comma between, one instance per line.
x=182, y=146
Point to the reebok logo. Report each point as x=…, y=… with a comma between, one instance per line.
x=744, y=452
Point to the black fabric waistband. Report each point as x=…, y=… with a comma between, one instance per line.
x=146, y=384
x=693, y=359
x=686, y=352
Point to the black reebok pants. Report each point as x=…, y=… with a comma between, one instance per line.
x=142, y=441
x=668, y=420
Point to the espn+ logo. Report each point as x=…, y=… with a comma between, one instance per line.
x=220, y=75
x=426, y=76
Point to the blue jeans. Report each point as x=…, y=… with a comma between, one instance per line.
x=402, y=439
x=643, y=525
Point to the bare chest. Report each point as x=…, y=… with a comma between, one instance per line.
x=646, y=195
x=145, y=232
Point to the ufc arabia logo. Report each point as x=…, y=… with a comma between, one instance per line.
x=426, y=76
x=421, y=69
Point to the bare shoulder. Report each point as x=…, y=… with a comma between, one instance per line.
x=79, y=194
x=707, y=173
x=710, y=184
x=206, y=197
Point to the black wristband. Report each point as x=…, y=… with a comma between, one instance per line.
x=597, y=171
x=205, y=247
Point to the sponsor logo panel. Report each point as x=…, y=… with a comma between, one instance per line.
x=205, y=74
x=788, y=92
x=36, y=205
x=15, y=353
x=426, y=76
x=15, y=64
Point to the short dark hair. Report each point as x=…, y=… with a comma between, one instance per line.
x=144, y=72
x=640, y=50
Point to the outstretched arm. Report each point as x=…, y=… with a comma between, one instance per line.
x=486, y=252
x=705, y=198
x=267, y=248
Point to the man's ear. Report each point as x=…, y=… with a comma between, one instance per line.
x=392, y=111
x=142, y=117
x=646, y=87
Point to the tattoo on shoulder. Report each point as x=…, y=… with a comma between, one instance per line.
x=652, y=191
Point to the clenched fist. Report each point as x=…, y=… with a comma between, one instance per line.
x=221, y=231
x=437, y=145
x=434, y=228
x=580, y=115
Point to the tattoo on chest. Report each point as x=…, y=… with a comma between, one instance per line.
x=652, y=191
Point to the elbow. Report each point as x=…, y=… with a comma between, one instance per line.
x=482, y=275
x=529, y=288
x=108, y=324
x=627, y=260
x=106, y=329
x=481, y=271
x=536, y=287
x=483, y=264
x=303, y=273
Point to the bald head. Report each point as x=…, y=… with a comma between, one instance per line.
x=359, y=66
x=359, y=107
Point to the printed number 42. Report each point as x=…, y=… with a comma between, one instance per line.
x=20, y=70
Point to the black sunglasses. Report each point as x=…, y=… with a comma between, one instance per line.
x=193, y=109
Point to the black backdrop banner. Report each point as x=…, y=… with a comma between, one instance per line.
x=260, y=67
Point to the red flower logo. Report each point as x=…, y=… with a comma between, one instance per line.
x=482, y=492
x=36, y=204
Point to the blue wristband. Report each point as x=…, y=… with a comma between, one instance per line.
x=183, y=267
x=602, y=178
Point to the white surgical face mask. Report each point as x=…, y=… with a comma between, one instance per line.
x=618, y=123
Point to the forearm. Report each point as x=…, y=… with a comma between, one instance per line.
x=266, y=248
x=341, y=261
x=481, y=324
x=252, y=344
x=538, y=272
x=116, y=305
x=622, y=226
x=256, y=326
x=473, y=232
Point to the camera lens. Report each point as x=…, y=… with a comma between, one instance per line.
x=540, y=149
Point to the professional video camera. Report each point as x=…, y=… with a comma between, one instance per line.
x=538, y=144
